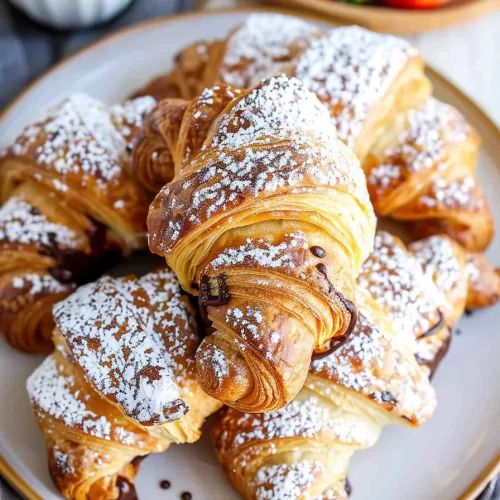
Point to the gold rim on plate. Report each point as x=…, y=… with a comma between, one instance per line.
x=393, y=20
x=6, y=470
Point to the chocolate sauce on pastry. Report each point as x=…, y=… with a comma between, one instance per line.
x=347, y=486
x=337, y=342
x=433, y=363
x=318, y=252
x=126, y=488
x=206, y=297
x=75, y=266
x=322, y=269
x=436, y=328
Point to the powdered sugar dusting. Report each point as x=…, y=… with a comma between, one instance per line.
x=52, y=393
x=454, y=194
x=129, y=116
x=350, y=69
x=22, y=223
x=306, y=418
x=422, y=145
x=440, y=263
x=39, y=284
x=261, y=47
x=214, y=360
x=372, y=364
x=126, y=334
x=396, y=280
x=279, y=108
x=245, y=164
x=286, y=481
x=262, y=253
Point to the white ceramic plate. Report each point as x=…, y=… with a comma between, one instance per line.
x=436, y=462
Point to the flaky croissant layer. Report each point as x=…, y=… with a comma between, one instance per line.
x=70, y=209
x=244, y=225
x=120, y=384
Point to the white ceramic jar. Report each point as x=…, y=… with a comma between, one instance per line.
x=71, y=13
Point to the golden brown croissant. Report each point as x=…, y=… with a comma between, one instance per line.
x=70, y=209
x=426, y=288
x=302, y=451
x=363, y=78
x=120, y=384
x=174, y=133
x=422, y=170
x=420, y=164
x=244, y=225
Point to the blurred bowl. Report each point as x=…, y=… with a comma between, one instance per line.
x=64, y=14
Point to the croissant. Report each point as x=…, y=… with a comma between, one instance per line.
x=362, y=77
x=422, y=170
x=120, y=383
x=303, y=450
x=244, y=225
x=419, y=154
x=426, y=287
x=70, y=209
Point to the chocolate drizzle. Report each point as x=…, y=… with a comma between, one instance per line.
x=318, y=252
x=433, y=363
x=436, y=328
x=347, y=486
x=126, y=488
x=322, y=269
x=76, y=266
x=206, y=297
x=336, y=342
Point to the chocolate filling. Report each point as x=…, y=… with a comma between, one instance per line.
x=75, y=266
x=126, y=488
x=318, y=252
x=433, y=363
x=436, y=328
x=337, y=342
x=186, y=495
x=206, y=297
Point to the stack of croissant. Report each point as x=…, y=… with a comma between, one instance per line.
x=268, y=156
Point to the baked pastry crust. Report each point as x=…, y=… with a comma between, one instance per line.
x=120, y=383
x=377, y=377
x=423, y=171
x=70, y=208
x=239, y=224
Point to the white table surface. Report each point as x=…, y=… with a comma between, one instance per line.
x=469, y=55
